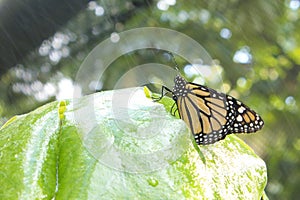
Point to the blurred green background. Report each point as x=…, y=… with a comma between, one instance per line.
x=255, y=44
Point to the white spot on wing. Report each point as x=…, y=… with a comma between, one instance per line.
x=239, y=118
x=241, y=109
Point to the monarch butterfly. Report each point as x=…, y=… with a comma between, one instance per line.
x=209, y=114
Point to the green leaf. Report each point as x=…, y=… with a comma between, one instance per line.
x=28, y=154
x=120, y=145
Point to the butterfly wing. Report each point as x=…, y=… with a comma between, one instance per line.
x=206, y=112
x=246, y=119
x=212, y=115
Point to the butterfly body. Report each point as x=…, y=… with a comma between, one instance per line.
x=212, y=115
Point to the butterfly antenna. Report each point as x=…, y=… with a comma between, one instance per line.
x=174, y=60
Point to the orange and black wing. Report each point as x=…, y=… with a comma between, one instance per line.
x=246, y=119
x=212, y=115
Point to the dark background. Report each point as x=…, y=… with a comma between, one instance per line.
x=256, y=43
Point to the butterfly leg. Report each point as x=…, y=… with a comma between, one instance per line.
x=163, y=88
x=172, y=108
